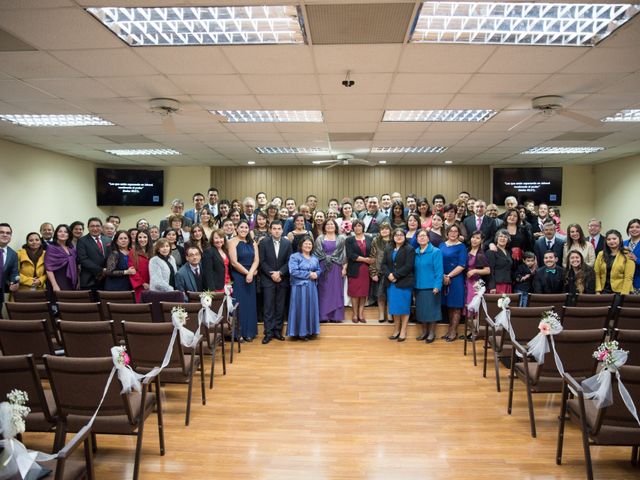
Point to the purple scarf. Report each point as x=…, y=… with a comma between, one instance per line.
x=56, y=258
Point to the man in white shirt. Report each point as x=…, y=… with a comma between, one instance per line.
x=385, y=204
x=213, y=194
x=595, y=227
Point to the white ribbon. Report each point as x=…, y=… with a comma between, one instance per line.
x=129, y=379
x=475, y=303
x=228, y=291
x=598, y=387
x=503, y=319
x=538, y=347
x=20, y=460
x=208, y=316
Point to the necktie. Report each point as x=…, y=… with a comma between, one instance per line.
x=593, y=242
x=276, y=246
x=100, y=247
x=548, y=245
x=197, y=272
x=1, y=269
x=478, y=223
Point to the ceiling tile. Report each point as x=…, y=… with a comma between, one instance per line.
x=502, y=83
x=282, y=84
x=428, y=83
x=349, y=127
x=142, y=86
x=359, y=59
x=290, y=102
x=194, y=60
x=562, y=83
x=523, y=59
x=27, y=65
x=603, y=59
x=418, y=102
x=373, y=83
x=17, y=90
x=432, y=58
x=118, y=62
x=273, y=58
x=210, y=84
x=353, y=101
x=227, y=102
x=72, y=87
x=355, y=116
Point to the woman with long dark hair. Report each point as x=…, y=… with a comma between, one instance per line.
x=633, y=245
x=162, y=268
x=358, y=249
x=454, y=259
x=329, y=249
x=576, y=241
x=31, y=263
x=398, y=270
x=244, y=259
x=117, y=269
x=424, y=212
x=378, y=247
x=614, y=269
x=397, y=219
x=138, y=258
x=60, y=261
x=304, y=315
x=216, y=263
x=428, y=275
x=579, y=277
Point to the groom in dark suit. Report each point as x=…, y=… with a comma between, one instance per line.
x=189, y=277
x=93, y=250
x=274, y=252
x=480, y=222
x=9, y=276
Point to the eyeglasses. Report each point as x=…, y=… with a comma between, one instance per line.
x=5, y=232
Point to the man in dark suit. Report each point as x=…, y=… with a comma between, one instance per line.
x=537, y=224
x=549, y=242
x=373, y=217
x=594, y=238
x=248, y=211
x=189, y=278
x=9, y=276
x=274, y=252
x=550, y=277
x=46, y=232
x=93, y=250
x=193, y=214
x=480, y=221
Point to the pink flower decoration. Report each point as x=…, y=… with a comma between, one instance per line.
x=125, y=358
x=347, y=226
x=603, y=355
x=545, y=328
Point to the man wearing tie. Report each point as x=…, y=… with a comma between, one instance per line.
x=9, y=277
x=595, y=226
x=46, y=232
x=385, y=204
x=248, y=213
x=550, y=277
x=193, y=214
x=189, y=276
x=93, y=250
x=274, y=253
x=373, y=217
x=213, y=193
x=480, y=222
x=548, y=242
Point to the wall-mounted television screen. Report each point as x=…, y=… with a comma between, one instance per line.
x=542, y=185
x=143, y=188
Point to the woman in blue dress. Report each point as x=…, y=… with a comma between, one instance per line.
x=117, y=268
x=454, y=258
x=244, y=259
x=304, y=270
x=633, y=244
x=428, y=272
x=397, y=268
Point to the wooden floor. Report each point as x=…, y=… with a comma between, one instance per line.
x=354, y=407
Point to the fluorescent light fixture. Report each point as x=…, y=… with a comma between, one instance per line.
x=289, y=150
x=448, y=162
x=382, y=162
x=55, y=120
x=131, y=152
x=520, y=23
x=251, y=162
x=560, y=150
x=437, y=115
x=627, y=115
x=423, y=149
x=171, y=26
x=264, y=116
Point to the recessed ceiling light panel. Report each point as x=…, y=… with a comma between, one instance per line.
x=56, y=120
x=520, y=23
x=627, y=115
x=423, y=149
x=124, y=152
x=290, y=150
x=561, y=150
x=265, y=116
x=437, y=115
x=172, y=26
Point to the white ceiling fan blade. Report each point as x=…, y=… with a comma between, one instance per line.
x=320, y=162
x=592, y=122
x=361, y=161
x=334, y=165
x=522, y=121
x=168, y=124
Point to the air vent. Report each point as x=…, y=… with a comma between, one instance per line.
x=350, y=136
x=125, y=139
x=9, y=43
x=580, y=136
x=359, y=23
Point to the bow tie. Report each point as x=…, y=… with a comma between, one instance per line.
x=551, y=270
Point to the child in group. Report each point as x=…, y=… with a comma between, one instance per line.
x=525, y=274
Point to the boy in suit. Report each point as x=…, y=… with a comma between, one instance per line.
x=274, y=252
x=9, y=277
x=550, y=277
x=189, y=276
x=525, y=274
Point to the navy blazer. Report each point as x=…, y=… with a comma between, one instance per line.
x=402, y=268
x=91, y=261
x=488, y=228
x=353, y=251
x=540, y=247
x=269, y=263
x=186, y=281
x=11, y=273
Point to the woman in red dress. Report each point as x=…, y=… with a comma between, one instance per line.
x=358, y=249
x=138, y=258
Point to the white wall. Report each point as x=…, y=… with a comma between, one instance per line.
x=39, y=186
x=618, y=193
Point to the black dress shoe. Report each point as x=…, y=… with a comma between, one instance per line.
x=402, y=339
x=382, y=320
x=422, y=337
x=266, y=340
x=430, y=339
x=278, y=336
x=394, y=337
x=248, y=339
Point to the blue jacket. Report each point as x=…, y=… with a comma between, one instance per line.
x=428, y=268
x=11, y=274
x=636, y=274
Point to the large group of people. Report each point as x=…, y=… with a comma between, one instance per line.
x=412, y=257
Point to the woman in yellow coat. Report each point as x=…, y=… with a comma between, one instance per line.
x=31, y=264
x=614, y=269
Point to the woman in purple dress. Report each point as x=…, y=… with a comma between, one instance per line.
x=477, y=267
x=329, y=249
x=60, y=261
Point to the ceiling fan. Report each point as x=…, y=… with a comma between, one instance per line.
x=344, y=159
x=166, y=108
x=550, y=105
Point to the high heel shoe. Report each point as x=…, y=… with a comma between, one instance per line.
x=422, y=337
x=394, y=337
x=402, y=339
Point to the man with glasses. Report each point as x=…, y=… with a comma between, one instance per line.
x=9, y=276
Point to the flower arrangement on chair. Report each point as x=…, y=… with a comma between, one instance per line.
x=13, y=413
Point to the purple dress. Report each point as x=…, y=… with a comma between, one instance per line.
x=330, y=289
x=474, y=262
